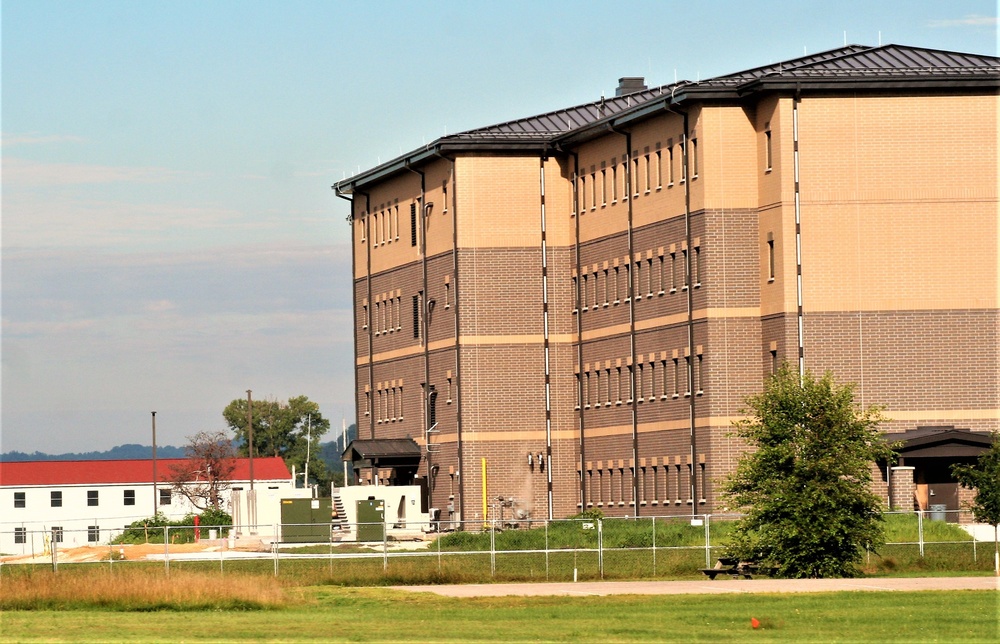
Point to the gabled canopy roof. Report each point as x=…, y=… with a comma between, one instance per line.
x=850, y=67
x=383, y=452
x=940, y=442
x=138, y=471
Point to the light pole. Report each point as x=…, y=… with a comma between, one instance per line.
x=155, y=495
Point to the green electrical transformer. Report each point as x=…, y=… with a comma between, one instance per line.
x=306, y=520
x=371, y=519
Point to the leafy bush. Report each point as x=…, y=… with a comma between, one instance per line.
x=152, y=529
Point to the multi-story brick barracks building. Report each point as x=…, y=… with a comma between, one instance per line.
x=571, y=308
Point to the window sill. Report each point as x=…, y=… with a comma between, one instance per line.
x=770, y=280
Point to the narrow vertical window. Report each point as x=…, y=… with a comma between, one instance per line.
x=687, y=275
x=368, y=403
x=19, y=500
x=774, y=361
x=694, y=158
x=618, y=386
x=593, y=191
x=625, y=185
x=92, y=498
x=684, y=161
x=604, y=187
x=637, y=286
x=583, y=193
x=770, y=257
x=673, y=272
x=432, y=398
x=617, y=298
x=689, y=376
x=364, y=318
x=579, y=385
x=670, y=163
x=416, y=314
x=659, y=168
x=444, y=195
x=768, y=159
x=677, y=378
x=399, y=314
x=447, y=295
x=586, y=400
x=413, y=224
x=395, y=212
x=607, y=374
x=663, y=263
x=594, y=280
x=646, y=174
x=663, y=368
x=606, y=294
x=614, y=182
x=361, y=229
x=583, y=292
x=698, y=375
x=631, y=384
x=55, y=499
x=635, y=173
x=697, y=266
x=649, y=277
x=576, y=295
x=378, y=310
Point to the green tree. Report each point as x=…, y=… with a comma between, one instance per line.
x=984, y=478
x=805, y=484
x=286, y=429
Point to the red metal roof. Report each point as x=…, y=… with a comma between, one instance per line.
x=124, y=471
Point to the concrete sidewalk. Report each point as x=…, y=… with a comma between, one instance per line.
x=706, y=587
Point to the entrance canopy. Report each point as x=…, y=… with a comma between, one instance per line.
x=940, y=442
x=398, y=458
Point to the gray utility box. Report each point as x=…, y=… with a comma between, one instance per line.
x=306, y=520
x=371, y=519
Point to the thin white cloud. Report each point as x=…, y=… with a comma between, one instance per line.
x=969, y=20
x=8, y=140
x=19, y=172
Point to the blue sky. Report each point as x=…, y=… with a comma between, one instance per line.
x=169, y=236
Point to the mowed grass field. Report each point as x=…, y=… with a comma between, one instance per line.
x=99, y=606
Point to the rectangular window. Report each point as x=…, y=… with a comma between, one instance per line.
x=593, y=191
x=604, y=187
x=635, y=173
x=614, y=182
x=618, y=389
x=687, y=274
x=663, y=368
x=19, y=500
x=662, y=269
x=444, y=195
x=652, y=380
x=646, y=175
x=673, y=272
x=698, y=374
x=20, y=535
x=617, y=298
x=697, y=266
x=93, y=533
x=447, y=295
x=416, y=315
x=638, y=383
x=677, y=378
x=684, y=160
x=774, y=361
x=364, y=319
x=624, y=179
x=129, y=497
x=770, y=258
x=57, y=534
x=583, y=291
x=413, y=224
x=689, y=376
x=767, y=147
x=165, y=497
x=586, y=392
x=694, y=158
x=670, y=163
x=583, y=193
x=55, y=499
x=92, y=499
x=659, y=169
x=637, y=286
x=368, y=403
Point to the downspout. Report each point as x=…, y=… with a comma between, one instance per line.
x=579, y=336
x=693, y=478
x=422, y=210
x=545, y=337
x=458, y=354
x=368, y=295
x=798, y=232
x=630, y=296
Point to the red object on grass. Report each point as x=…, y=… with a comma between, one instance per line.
x=754, y=622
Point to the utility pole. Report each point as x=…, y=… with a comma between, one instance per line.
x=156, y=496
x=309, y=419
x=250, y=434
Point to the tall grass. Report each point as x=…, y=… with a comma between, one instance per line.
x=137, y=589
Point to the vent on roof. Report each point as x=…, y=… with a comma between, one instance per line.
x=630, y=84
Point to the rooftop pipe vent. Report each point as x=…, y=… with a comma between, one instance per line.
x=630, y=84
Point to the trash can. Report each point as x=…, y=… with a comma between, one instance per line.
x=939, y=512
x=213, y=534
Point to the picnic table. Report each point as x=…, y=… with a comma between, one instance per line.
x=732, y=567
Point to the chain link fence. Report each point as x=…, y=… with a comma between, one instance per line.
x=561, y=550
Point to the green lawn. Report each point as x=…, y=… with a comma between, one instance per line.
x=382, y=615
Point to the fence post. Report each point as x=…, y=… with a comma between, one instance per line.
x=385, y=548
x=708, y=542
x=600, y=546
x=546, y=551
x=274, y=551
x=55, y=555
x=439, y=536
x=653, y=520
x=920, y=531
x=493, y=551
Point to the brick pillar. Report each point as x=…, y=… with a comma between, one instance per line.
x=903, y=488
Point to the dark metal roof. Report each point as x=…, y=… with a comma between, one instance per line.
x=853, y=66
x=385, y=451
